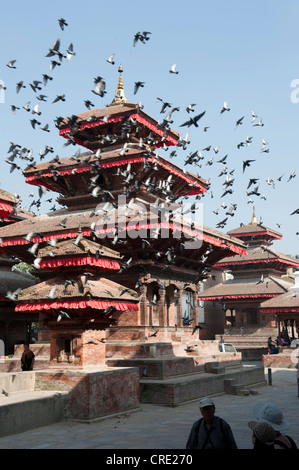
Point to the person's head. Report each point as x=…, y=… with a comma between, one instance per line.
x=271, y=414
x=263, y=435
x=26, y=346
x=207, y=409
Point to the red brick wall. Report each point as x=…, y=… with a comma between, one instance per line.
x=128, y=317
x=92, y=395
x=93, y=354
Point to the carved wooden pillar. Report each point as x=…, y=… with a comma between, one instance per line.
x=162, y=308
x=144, y=313
x=170, y=306
x=194, y=310
x=278, y=330
x=179, y=308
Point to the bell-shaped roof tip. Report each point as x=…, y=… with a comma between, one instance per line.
x=119, y=97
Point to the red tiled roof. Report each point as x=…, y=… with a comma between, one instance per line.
x=259, y=255
x=287, y=302
x=254, y=229
x=246, y=288
x=48, y=226
x=92, y=287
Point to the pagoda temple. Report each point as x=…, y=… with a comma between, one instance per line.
x=248, y=280
x=120, y=266
x=123, y=194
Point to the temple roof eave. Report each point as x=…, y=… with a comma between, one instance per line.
x=258, y=230
x=260, y=256
x=242, y=289
x=79, y=287
x=113, y=115
x=45, y=174
x=49, y=226
x=287, y=302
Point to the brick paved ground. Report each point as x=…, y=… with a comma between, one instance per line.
x=157, y=427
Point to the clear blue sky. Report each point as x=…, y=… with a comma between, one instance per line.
x=245, y=53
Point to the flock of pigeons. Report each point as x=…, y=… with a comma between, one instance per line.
x=195, y=158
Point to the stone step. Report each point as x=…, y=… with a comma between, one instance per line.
x=233, y=388
x=172, y=366
x=175, y=391
x=17, y=382
x=159, y=369
x=25, y=410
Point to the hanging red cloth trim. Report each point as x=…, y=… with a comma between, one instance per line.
x=266, y=260
x=89, y=125
x=5, y=209
x=79, y=261
x=280, y=310
x=173, y=227
x=33, y=179
x=45, y=238
x=153, y=127
x=76, y=304
x=166, y=225
x=237, y=296
x=198, y=187
x=251, y=234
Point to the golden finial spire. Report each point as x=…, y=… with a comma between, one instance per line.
x=254, y=219
x=119, y=96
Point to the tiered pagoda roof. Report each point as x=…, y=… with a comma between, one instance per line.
x=74, y=288
x=255, y=233
x=97, y=293
x=122, y=140
x=111, y=191
x=85, y=253
x=64, y=225
x=119, y=174
x=259, y=255
x=260, y=274
x=118, y=120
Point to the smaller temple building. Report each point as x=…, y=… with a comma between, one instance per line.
x=248, y=280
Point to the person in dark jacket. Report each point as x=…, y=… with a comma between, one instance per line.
x=27, y=359
x=210, y=432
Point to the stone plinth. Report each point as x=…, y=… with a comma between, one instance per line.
x=176, y=391
x=95, y=392
x=283, y=360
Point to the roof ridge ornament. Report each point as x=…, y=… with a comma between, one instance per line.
x=254, y=219
x=119, y=97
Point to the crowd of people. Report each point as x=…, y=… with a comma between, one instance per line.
x=282, y=340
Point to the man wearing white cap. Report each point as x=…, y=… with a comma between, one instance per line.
x=210, y=432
